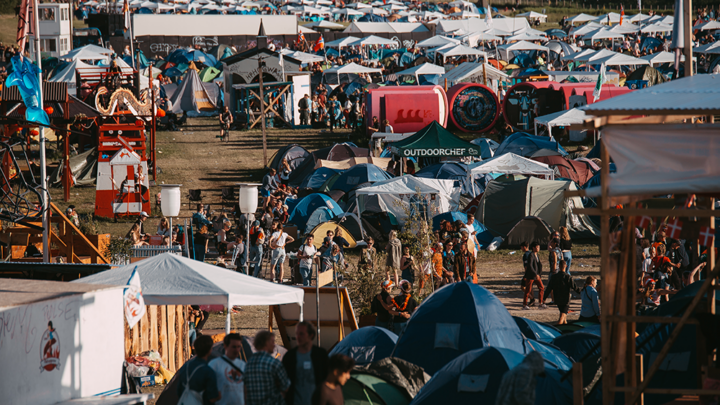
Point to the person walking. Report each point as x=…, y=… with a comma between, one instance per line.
x=257, y=238
x=464, y=264
x=561, y=284
x=532, y=276
x=198, y=382
x=590, y=310
x=306, y=365
x=330, y=392
x=230, y=371
x=266, y=381
x=304, y=106
x=306, y=254
x=394, y=253
x=566, y=247
x=278, y=240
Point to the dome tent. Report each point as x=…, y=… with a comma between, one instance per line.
x=294, y=153
x=312, y=210
x=536, y=330
x=390, y=381
x=454, y=320
x=357, y=175
x=529, y=229
x=367, y=345
x=319, y=177
x=524, y=144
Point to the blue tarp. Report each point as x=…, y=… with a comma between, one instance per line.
x=524, y=144
x=359, y=174
x=313, y=210
x=483, y=236
x=367, y=345
x=454, y=320
x=536, y=330
x=318, y=178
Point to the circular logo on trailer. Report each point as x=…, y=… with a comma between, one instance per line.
x=50, y=349
x=475, y=109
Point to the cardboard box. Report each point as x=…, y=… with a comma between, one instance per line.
x=145, y=381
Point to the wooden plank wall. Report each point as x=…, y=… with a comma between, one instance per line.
x=164, y=329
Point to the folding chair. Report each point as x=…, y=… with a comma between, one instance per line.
x=228, y=196
x=194, y=196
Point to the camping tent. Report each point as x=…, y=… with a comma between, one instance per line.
x=506, y=203
x=445, y=171
x=395, y=382
x=318, y=178
x=520, y=46
x=434, y=141
x=343, y=151
x=294, y=153
x=313, y=210
x=560, y=119
x=169, y=279
x=367, y=345
x=524, y=144
x=483, y=236
x=578, y=172
x=454, y=320
x=320, y=231
x=194, y=96
x=409, y=194
x=536, y=330
x=529, y=229
x=424, y=69
x=359, y=174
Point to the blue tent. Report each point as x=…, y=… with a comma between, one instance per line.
x=367, y=345
x=522, y=59
x=578, y=345
x=444, y=171
x=319, y=177
x=487, y=147
x=313, y=210
x=372, y=18
x=556, y=32
x=550, y=353
x=536, y=330
x=483, y=236
x=454, y=320
x=359, y=174
x=524, y=144
x=475, y=377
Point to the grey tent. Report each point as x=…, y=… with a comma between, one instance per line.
x=194, y=96
x=83, y=168
x=504, y=204
x=529, y=229
x=294, y=153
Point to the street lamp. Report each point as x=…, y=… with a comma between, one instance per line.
x=248, y=203
x=170, y=203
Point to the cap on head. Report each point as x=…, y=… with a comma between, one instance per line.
x=144, y=214
x=256, y=223
x=386, y=284
x=405, y=285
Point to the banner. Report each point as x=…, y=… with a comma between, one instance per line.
x=133, y=299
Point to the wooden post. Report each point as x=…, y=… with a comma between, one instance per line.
x=172, y=338
x=67, y=176
x=687, y=36
x=270, y=318
x=341, y=323
x=639, y=373
x=179, y=321
x=608, y=377
x=143, y=325
x=163, y=346
x=262, y=110
x=484, y=74
x=153, y=321
x=578, y=385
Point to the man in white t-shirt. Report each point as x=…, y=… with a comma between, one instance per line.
x=470, y=225
x=306, y=254
x=230, y=372
x=278, y=240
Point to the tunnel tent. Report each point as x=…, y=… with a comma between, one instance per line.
x=434, y=141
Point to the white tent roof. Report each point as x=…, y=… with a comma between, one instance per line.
x=437, y=40
x=563, y=118
x=339, y=43
x=579, y=55
x=510, y=163
x=710, y=25
x=603, y=33
x=584, y=29
x=410, y=185
x=168, y=279
x=523, y=46
x=473, y=38
x=351, y=68
x=581, y=18
x=424, y=69
x=619, y=60
x=656, y=27
x=303, y=57
x=637, y=17
x=525, y=36
x=603, y=19
x=663, y=57
x=625, y=28
x=373, y=40
x=325, y=24
x=467, y=70
x=532, y=14
x=464, y=14
x=306, y=30
x=708, y=48
x=601, y=54
x=460, y=50
x=88, y=52
x=124, y=157
x=347, y=11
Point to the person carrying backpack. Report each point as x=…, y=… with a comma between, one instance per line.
x=197, y=384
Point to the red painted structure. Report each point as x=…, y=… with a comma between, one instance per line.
x=407, y=108
x=473, y=107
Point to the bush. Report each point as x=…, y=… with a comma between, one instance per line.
x=119, y=251
x=363, y=283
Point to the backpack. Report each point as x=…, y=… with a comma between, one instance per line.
x=190, y=397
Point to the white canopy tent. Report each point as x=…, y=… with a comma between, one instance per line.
x=373, y=40
x=656, y=27
x=303, y=57
x=710, y=25
x=639, y=17
x=347, y=11
x=461, y=50
x=602, y=33
x=561, y=119
x=424, y=69
x=325, y=24
x=351, y=68
x=708, y=48
x=508, y=163
x=580, y=18
x=613, y=18
x=400, y=193
x=88, y=52
x=619, y=60
x=584, y=29
x=342, y=42
x=585, y=53
x=169, y=279
x=625, y=28
x=519, y=46
x=473, y=38
x=532, y=15
x=525, y=36
x=472, y=72
x=436, y=41
x=664, y=57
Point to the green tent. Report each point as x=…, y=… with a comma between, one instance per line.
x=434, y=141
x=208, y=74
x=366, y=389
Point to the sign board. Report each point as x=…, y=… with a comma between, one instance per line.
x=325, y=278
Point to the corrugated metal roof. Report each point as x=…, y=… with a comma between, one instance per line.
x=699, y=94
x=52, y=92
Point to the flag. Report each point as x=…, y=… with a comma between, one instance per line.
x=622, y=13
x=127, y=23
x=600, y=82
x=706, y=236
x=134, y=302
x=645, y=222
x=301, y=37
x=319, y=44
x=678, y=38
x=23, y=27
x=282, y=64
x=488, y=16
x=639, y=5
x=673, y=228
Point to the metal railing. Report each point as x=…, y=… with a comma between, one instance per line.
x=150, y=251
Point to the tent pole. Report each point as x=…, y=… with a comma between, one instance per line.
x=228, y=319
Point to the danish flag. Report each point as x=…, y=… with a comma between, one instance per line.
x=673, y=228
x=706, y=236
x=301, y=37
x=320, y=44
x=645, y=222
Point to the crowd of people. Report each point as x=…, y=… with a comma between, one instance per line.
x=305, y=376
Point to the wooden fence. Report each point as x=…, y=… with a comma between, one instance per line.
x=164, y=328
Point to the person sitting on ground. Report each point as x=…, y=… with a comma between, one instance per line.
x=330, y=391
x=590, y=310
x=199, y=217
x=230, y=371
x=282, y=214
x=306, y=365
x=199, y=380
x=403, y=307
x=561, y=284
x=134, y=236
x=333, y=259
x=266, y=381
x=163, y=228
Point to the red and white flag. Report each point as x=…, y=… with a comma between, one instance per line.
x=673, y=228
x=320, y=44
x=706, y=236
x=301, y=37
x=645, y=222
x=622, y=14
